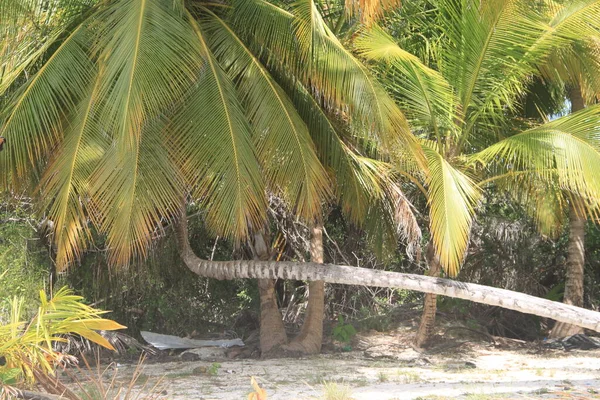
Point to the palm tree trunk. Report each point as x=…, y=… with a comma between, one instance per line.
x=576, y=248
x=272, y=330
x=575, y=265
x=427, y=323
x=310, y=339
x=311, y=271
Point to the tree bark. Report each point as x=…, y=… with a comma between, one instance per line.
x=272, y=330
x=310, y=339
x=427, y=323
x=310, y=271
x=575, y=271
x=576, y=247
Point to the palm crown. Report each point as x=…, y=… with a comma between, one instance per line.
x=137, y=102
x=463, y=100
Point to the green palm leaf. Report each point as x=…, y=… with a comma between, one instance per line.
x=452, y=197
x=533, y=38
x=148, y=57
x=425, y=95
x=283, y=142
x=216, y=152
x=32, y=123
x=323, y=64
x=29, y=28
x=64, y=186
x=565, y=151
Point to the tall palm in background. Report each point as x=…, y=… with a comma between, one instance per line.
x=136, y=103
x=461, y=95
x=575, y=69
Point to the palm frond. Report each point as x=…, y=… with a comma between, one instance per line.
x=335, y=155
x=320, y=61
x=565, y=151
x=452, y=197
x=345, y=83
x=148, y=57
x=217, y=155
x=369, y=11
x=65, y=183
x=534, y=36
x=283, y=143
x=29, y=28
x=425, y=95
x=32, y=123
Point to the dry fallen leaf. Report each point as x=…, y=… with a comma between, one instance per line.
x=259, y=393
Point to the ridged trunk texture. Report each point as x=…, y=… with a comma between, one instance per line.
x=341, y=274
x=575, y=270
x=427, y=323
x=310, y=339
x=576, y=248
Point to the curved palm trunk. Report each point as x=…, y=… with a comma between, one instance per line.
x=576, y=248
x=427, y=323
x=311, y=336
x=310, y=271
x=575, y=265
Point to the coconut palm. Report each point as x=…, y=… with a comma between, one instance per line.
x=141, y=102
x=576, y=70
x=462, y=104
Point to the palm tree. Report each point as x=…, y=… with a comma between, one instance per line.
x=140, y=102
x=576, y=69
x=462, y=103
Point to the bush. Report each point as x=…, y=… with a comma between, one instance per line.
x=24, y=262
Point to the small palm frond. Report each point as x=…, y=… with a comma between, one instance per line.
x=452, y=197
x=27, y=346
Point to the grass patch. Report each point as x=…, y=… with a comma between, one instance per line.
x=333, y=391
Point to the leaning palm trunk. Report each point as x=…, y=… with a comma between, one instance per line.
x=311, y=335
x=427, y=323
x=575, y=264
x=311, y=271
x=576, y=249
